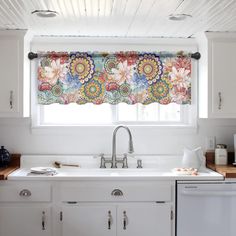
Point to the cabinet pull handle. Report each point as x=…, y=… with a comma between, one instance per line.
x=43, y=220
x=25, y=193
x=117, y=192
x=61, y=215
x=171, y=215
x=125, y=220
x=220, y=100
x=109, y=220
x=11, y=99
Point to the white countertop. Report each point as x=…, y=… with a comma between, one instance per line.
x=113, y=174
x=154, y=168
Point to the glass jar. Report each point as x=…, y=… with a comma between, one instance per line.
x=221, y=154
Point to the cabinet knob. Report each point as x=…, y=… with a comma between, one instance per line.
x=117, y=192
x=25, y=193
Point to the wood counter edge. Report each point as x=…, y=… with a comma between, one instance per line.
x=228, y=171
x=14, y=165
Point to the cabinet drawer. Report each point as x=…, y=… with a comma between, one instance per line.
x=117, y=191
x=25, y=193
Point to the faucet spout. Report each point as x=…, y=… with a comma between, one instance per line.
x=130, y=146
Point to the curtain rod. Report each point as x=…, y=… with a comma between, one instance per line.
x=32, y=55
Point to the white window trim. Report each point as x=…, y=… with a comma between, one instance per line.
x=75, y=44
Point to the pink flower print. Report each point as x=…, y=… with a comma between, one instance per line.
x=130, y=57
x=180, y=95
x=123, y=73
x=183, y=62
x=138, y=97
x=56, y=71
x=44, y=87
x=180, y=78
x=112, y=86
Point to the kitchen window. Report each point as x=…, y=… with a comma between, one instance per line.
x=89, y=114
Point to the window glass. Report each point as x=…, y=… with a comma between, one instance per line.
x=73, y=114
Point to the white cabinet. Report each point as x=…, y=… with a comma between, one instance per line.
x=25, y=220
x=14, y=74
x=149, y=219
x=9, y=77
x=217, y=76
x=87, y=208
x=89, y=220
x=25, y=209
x=223, y=77
x=117, y=208
x=121, y=219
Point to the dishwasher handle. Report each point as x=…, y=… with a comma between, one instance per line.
x=209, y=193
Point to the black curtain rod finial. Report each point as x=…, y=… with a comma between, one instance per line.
x=196, y=55
x=32, y=55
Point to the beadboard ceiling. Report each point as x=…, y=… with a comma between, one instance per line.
x=119, y=18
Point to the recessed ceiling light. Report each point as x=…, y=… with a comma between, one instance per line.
x=179, y=17
x=45, y=13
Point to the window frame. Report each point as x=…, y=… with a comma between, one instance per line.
x=88, y=44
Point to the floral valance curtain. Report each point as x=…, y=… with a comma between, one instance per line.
x=101, y=77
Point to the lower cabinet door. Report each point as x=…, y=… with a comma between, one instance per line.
x=88, y=220
x=144, y=219
x=25, y=221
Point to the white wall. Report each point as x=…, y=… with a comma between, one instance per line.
x=17, y=136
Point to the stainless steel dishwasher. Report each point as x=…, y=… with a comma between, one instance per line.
x=206, y=208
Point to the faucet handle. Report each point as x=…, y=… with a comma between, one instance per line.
x=103, y=162
x=125, y=161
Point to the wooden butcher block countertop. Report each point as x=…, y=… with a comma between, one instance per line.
x=228, y=171
x=14, y=165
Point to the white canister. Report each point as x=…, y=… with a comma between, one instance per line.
x=221, y=154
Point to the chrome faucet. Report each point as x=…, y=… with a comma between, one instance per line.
x=114, y=160
x=130, y=147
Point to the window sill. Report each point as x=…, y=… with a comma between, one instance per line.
x=75, y=129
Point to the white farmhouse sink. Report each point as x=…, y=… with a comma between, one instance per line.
x=154, y=167
x=111, y=172
x=129, y=172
